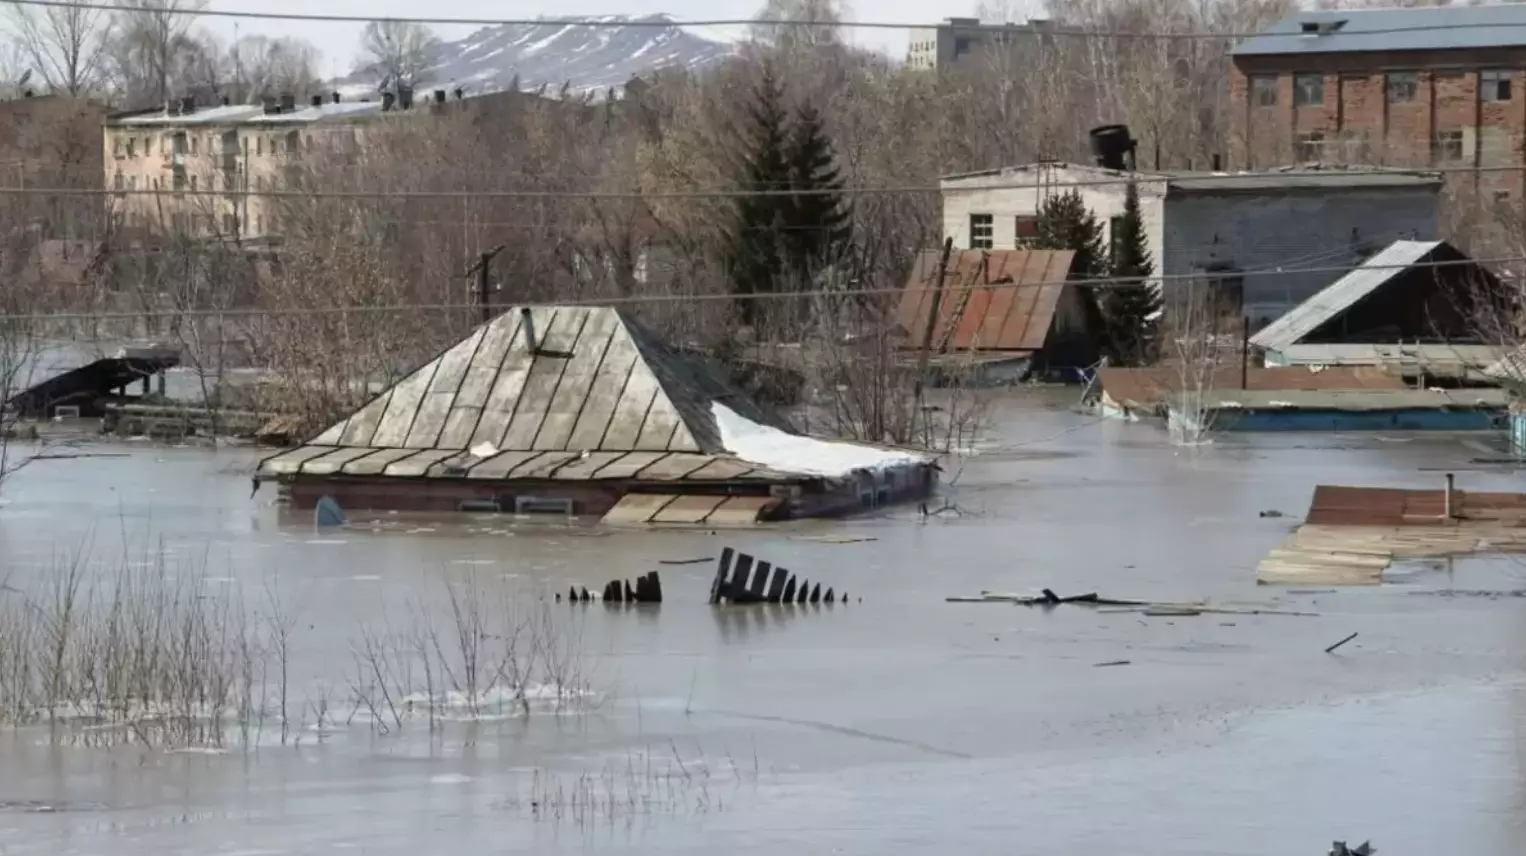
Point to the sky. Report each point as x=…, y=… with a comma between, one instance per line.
x=337, y=41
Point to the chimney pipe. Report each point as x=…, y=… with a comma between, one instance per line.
x=439, y=96
x=268, y=103
x=336, y=98
x=1113, y=148
x=459, y=93
x=188, y=105
x=226, y=102
x=1217, y=163
x=288, y=103
x=386, y=101
x=527, y=323
x=317, y=100
x=404, y=96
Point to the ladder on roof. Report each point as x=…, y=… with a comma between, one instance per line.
x=957, y=313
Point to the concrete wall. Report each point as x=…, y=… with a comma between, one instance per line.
x=992, y=194
x=1291, y=229
x=1360, y=124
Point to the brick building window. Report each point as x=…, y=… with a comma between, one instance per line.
x=1027, y=226
x=1494, y=85
x=1402, y=86
x=1309, y=147
x=1263, y=90
x=1449, y=147
x=1308, y=90
x=982, y=231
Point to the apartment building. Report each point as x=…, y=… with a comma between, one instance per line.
x=214, y=160
x=1439, y=86
x=958, y=41
x=52, y=141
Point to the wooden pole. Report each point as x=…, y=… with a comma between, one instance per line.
x=1244, y=351
x=932, y=323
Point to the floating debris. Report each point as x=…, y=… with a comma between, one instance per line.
x=700, y=561
x=648, y=590
x=1049, y=599
x=328, y=513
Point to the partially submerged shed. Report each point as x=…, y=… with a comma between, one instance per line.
x=580, y=410
x=1003, y=313
x=89, y=390
x=1148, y=392
x=1427, y=294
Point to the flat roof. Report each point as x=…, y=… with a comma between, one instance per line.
x=1437, y=28
x=1310, y=176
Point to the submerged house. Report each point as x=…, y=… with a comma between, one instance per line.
x=582, y=411
x=998, y=314
x=1413, y=309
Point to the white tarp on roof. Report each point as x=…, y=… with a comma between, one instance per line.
x=1342, y=294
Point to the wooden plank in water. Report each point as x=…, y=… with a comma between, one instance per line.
x=637, y=507
x=688, y=509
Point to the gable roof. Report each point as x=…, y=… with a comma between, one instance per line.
x=993, y=300
x=1418, y=29
x=596, y=381
x=1346, y=292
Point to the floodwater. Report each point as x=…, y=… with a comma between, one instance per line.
x=899, y=724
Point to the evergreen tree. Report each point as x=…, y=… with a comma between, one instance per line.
x=819, y=225
x=1131, y=310
x=756, y=249
x=1065, y=223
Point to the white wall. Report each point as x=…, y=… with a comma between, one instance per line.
x=991, y=194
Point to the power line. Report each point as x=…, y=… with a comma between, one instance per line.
x=607, y=22
x=1143, y=178
x=1093, y=282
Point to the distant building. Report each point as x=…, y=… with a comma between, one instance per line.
x=958, y=40
x=1236, y=230
x=1400, y=87
x=221, y=157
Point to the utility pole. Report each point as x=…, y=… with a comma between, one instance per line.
x=484, y=289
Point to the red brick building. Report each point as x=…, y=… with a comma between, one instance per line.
x=1441, y=86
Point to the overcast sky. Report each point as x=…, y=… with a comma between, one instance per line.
x=337, y=41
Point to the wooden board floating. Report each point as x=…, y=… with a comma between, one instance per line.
x=741, y=578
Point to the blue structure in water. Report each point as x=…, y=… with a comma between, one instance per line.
x=1356, y=410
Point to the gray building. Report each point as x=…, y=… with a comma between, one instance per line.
x=958, y=40
x=1255, y=235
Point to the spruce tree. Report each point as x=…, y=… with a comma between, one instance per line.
x=819, y=224
x=1065, y=223
x=756, y=252
x=1131, y=309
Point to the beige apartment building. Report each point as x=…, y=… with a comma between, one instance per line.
x=211, y=163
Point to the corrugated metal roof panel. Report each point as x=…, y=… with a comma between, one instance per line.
x=292, y=461
x=590, y=465
x=1344, y=293
x=628, y=465
x=334, y=461
x=1014, y=315
x=376, y=462
x=1371, y=506
x=673, y=467
x=1419, y=29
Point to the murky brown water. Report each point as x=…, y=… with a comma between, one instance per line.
x=899, y=725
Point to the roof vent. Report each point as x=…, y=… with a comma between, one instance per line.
x=1321, y=27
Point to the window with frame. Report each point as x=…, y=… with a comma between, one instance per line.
x=1402, y=86
x=1308, y=90
x=1309, y=146
x=1263, y=90
x=1025, y=226
x=178, y=181
x=1449, y=148
x=982, y=231
x=1494, y=85
x=130, y=141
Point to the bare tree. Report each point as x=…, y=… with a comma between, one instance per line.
x=260, y=65
x=64, y=43
x=398, y=52
x=147, y=46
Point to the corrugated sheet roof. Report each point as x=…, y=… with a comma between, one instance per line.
x=1014, y=315
x=1149, y=387
x=322, y=460
x=1399, y=358
x=597, y=381
x=1421, y=29
x=1344, y=293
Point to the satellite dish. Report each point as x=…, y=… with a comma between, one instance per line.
x=25, y=76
